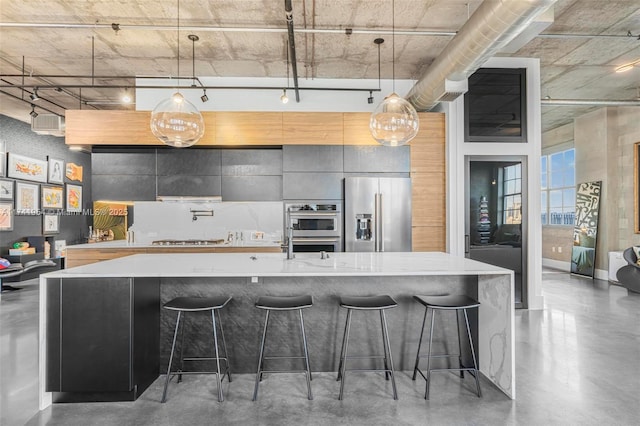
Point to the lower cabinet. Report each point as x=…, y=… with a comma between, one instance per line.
x=102, y=338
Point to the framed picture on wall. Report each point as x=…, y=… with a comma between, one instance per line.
x=21, y=167
x=636, y=192
x=6, y=189
x=3, y=158
x=50, y=224
x=6, y=216
x=56, y=171
x=27, y=198
x=52, y=197
x=74, y=198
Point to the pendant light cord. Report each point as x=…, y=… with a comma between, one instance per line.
x=393, y=44
x=178, y=40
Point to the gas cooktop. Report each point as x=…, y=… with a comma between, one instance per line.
x=187, y=242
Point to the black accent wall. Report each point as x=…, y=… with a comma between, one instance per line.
x=19, y=139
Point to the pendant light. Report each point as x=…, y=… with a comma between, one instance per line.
x=395, y=121
x=176, y=121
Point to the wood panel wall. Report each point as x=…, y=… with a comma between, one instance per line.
x=428, y=162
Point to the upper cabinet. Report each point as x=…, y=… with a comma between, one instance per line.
x=312, y=128
x=248, y=128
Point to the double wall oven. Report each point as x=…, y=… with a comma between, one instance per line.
x=317, y=226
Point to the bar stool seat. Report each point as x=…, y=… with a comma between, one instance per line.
x=446, y=302
x=367, y=303
x=283, y=303
x=198, y=304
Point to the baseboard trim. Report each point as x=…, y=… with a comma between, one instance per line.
x=556, y=264
x=600, y=274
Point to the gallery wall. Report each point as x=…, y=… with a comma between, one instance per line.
x=19, y=139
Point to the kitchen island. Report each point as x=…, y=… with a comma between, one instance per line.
x=104, y=336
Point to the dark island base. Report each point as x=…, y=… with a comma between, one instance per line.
x=109, y=338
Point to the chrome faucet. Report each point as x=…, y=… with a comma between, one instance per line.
x=289, y=245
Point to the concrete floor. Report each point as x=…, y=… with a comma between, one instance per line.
x=577, y=363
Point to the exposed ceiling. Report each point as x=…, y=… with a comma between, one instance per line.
x=578, y=51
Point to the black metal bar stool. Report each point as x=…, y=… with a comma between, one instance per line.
x=283, y=303
x=367, y=303
x=198, y=304
x=452, y=303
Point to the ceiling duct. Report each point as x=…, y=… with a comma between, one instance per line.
x=48, y=124
x=493, y=25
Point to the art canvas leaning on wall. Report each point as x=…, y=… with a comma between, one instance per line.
x=583, y=253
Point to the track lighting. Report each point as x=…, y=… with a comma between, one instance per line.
x=34, y=96
x=126, y=98
x=284, y=98
x=370, y=98
x=204, y=97
x=33, y=112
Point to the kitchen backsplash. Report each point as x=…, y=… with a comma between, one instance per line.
x=251, y=222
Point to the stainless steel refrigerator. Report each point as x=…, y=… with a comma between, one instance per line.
x=377, y=214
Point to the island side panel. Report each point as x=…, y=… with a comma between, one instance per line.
x=496, y=337
x=324, y=322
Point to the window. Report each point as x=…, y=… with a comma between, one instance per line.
x=558, y=185
x=512, y=194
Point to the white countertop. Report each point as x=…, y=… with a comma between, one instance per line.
x=277, y=265
x=122, y=244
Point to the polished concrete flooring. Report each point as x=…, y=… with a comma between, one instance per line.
x=578, y=362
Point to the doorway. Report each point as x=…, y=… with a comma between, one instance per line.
x=496, y=216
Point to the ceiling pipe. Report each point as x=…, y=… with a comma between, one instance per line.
x=279, y=30
x=589, y=102
x=228, y=29
x=288, y=11
x=494, y=24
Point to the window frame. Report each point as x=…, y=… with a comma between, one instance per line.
x=546, y=209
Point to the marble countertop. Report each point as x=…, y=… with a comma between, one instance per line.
x=122, y=244
x=277, y=265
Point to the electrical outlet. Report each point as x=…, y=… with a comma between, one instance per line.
x=254, y=280
x=559, y=249
x=553, y=249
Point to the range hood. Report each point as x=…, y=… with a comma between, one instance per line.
x=189, y=199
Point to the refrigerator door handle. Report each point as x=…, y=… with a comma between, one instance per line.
x=381, y=221
x=376, y=223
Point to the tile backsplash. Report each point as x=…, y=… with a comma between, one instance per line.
x=260, y=221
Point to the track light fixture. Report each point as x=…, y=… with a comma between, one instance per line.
x=126, y=98
x=370, y=98
x=284, y=98
x=34, y=96
x=33, y=112
x=204, y=97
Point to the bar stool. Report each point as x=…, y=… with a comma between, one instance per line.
x=198, y=304
x=367, y=303
x=283, y=303
x=444, y=303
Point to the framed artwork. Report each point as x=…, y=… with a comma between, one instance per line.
x=56, y=171
x=6, y=216
x=52, y=197
x=73, y=172
x=583, y=252
x=74, y=198
x=27, y=198
x=21, y=167
x=50, y=224
x=3, y=159
x=6, y=189
x=636, y=192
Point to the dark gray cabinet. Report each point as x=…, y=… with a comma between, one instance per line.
x=377, y=159
x=103, y=337
x=312, y=158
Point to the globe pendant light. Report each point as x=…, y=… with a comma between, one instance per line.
x=395, y=121
x=176, y=121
